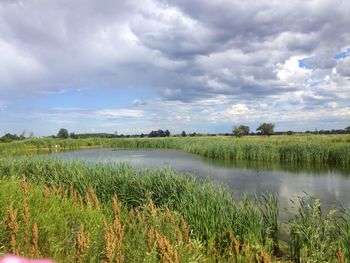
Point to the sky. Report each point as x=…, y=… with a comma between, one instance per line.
x=201, y=65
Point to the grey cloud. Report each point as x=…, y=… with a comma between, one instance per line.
x=343, y=68
x=185, y=50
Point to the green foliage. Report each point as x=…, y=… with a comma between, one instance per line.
x=266, y=128
x=294, y=149
x=209, y=211
x=8, y=137
x=59, y=217
x=63, y=133
x=347, y=129
x=240, y=131
x=313, y=236
x=220, y=228
x=159, y=133
x=58, y=220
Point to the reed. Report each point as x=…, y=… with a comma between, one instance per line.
x=296, y=149
x=153, y=215
x=69, y=232
x=81, y=244
x=26, y=214
x=314, y=236
x=34, y=242
x=12, y=227
x=165, y=250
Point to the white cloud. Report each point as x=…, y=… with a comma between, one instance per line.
x=118, y=113
x=219, y=61
x=291, y=73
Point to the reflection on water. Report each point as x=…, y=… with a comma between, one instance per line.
x=329, y=184
x=319, y=169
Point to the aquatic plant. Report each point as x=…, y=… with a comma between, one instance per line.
x=296, y=149
x=77, y=209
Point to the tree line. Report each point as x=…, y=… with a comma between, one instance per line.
x=238, y=130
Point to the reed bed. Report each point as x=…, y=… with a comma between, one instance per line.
x=295, y=149
x=80, y=212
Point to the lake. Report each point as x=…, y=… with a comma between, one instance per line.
x=330, y=185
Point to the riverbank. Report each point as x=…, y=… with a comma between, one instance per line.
x=209, y=224
x=333, y=150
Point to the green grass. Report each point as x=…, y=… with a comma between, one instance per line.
x=209, y=214
x=59, y=219
x=222, y=229
x=295, y=149
x=210, y=210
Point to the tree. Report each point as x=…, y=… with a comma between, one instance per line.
x=347, y=129
x=266, y=128
x=23, y=135
x=63, y=134
x=183, y=134
x=8, y=137
x=159, y=133
x=73, y=135
x=240, y=130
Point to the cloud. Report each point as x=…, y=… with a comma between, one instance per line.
x=196, y=57
x=292, y=73
x=4, y=105
x=118, y=113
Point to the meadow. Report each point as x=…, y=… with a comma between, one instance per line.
x=72, y=211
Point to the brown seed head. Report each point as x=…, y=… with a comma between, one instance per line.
x=166, y=252
x=340, y=255
x=12, y=227
x=35, y=240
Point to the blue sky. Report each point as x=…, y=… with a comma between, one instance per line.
x=204, y=66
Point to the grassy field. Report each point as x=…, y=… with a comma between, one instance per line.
x=331, y=150
x=78, y=212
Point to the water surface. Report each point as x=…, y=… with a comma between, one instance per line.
x=332, y=186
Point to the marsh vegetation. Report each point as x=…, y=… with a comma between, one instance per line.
x=87, y=212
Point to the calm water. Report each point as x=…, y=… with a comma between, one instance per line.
x=331, y=186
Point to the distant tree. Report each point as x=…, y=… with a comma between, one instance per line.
x=183, y=134
x=8, y=137
x=73, y=135
x=142, y=135
x=159, y=133
x=266, y=128
x=23, y=135
x=290, y=132
x=63, y=134
x=347, y=129
x=240, y=130
x=152, y=134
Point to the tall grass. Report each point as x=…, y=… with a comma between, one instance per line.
x=317, y=237
x=96, y=213
x=209, y=210
x=69, y=230
x=296, y=149
x=214, y=226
